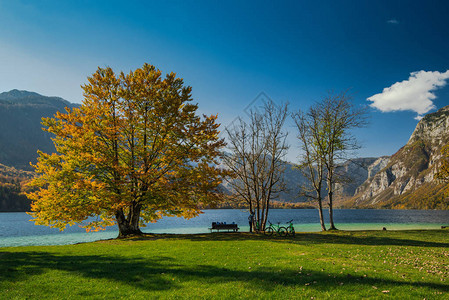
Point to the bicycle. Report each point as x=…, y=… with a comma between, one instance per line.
x=290, y=228
x=281, y=230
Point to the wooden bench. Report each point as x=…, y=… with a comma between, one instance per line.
x=221, y=226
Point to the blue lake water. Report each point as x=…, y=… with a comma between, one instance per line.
x=17, y=230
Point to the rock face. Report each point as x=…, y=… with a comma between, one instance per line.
x=356, y=171
x=407, y=180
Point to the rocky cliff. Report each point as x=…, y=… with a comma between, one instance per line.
x=355, y=172
x=407, y=181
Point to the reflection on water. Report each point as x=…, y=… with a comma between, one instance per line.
x=17, y=230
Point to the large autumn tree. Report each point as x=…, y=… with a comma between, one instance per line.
x=134, y=151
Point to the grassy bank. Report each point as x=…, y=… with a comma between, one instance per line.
x=399, y=264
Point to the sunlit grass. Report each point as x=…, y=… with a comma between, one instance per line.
x=399, y=264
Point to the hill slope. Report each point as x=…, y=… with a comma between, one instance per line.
x=21, y=133
x=11, y=187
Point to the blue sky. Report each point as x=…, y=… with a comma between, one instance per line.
x=230, y=51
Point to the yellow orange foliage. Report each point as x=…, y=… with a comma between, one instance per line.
x=133, y=152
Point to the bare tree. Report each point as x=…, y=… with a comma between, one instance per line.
x=257, y=156
x=337, y=116
x=311, y=163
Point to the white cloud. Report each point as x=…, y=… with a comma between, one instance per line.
x=393, y=21
x=414, y=94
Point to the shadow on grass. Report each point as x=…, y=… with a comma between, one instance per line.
x=159, y=273
x=372, y=238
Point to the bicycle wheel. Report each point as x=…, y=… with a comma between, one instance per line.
x=291, y=231
x=268, y=231
x=282, y=231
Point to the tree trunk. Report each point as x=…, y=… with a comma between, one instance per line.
x=129, y=225
x=320, y=210
x=331, y=213
x=265, y=218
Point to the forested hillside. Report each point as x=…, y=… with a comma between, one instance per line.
x=11, y=186
x=21, y=135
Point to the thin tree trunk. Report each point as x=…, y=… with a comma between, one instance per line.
x=320, y=210
x=331, y=212
x=265, y=218
x=251, y=225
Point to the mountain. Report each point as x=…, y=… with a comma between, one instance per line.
x=353, y=173
x=407, y=181
x=21, y=133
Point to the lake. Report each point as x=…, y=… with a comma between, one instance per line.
x=17, y=230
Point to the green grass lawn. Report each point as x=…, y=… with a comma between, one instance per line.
x=338, y=265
